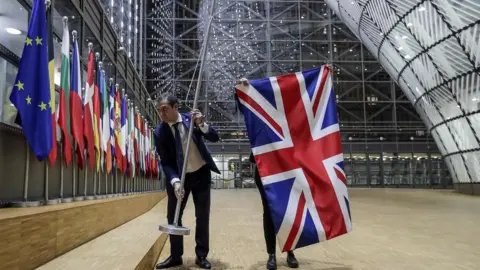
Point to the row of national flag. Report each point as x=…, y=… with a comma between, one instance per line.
x=104, y=128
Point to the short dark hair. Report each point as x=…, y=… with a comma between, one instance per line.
x=169, y=98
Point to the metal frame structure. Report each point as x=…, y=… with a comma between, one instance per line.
x=257, y=39
x=429, y=47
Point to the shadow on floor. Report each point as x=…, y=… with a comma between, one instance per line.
x=189, y=264
x=304, y=264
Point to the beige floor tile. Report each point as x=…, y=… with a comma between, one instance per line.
x=393, y=229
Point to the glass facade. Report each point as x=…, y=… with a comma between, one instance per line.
x=128, y=24
x=362, y=170
x=258, y=39
x=127, y=19
x=430, y=49
x=381, y=130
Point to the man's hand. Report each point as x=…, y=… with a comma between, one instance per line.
x=178, y=193
x=197, y=117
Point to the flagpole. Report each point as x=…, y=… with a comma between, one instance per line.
x=61, y=172
x=74, y=182
x=47, y=201
x=25, y=202
x=106, y=183
x=85, y=151
x=27, y=170
x=197, y=91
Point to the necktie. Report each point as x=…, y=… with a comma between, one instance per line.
x=178, y=147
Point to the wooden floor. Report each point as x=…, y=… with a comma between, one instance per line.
x=392, y=229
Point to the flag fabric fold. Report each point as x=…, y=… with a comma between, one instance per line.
x=96, y=117
x=123, y=140
x=118, y=130
x=76, y=106
x=64, y=106
x=106, y=125
x=294, y=133
x=88, y=128
x=31, y=93
x=113, y=139
x=51, y=72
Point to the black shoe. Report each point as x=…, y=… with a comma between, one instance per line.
x=291, y=260
x=272, y=262
x=169, y=262
x=203, y=263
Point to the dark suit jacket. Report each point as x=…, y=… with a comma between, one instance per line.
x=165, y=145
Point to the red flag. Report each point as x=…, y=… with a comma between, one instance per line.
x=76, y=107
x=88, y=113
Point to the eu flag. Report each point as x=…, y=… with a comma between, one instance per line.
x=31, y=92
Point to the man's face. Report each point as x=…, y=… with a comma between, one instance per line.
x=168, y=113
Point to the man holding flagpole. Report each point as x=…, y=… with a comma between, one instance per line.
x=171, y=141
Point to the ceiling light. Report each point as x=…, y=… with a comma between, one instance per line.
x=13, y=31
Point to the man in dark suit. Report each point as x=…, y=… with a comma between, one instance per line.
x=171, y=143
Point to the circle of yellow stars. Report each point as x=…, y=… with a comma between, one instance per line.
x=20, y=85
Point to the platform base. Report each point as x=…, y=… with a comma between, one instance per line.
x=26, y=204
x=52, y=201
x=67, y=200
x=173, y=229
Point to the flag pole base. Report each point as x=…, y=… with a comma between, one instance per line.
x=109, y=195
x=174, y=229
x=67, y=200
x=89, y=198
x=99, y=197
x=52, y=202
x=24, y=204
x=79, y=199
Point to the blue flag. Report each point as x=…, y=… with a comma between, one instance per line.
x=31, y=92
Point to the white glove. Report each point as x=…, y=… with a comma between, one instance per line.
x=178, y=193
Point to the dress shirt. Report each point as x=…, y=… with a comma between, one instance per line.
x=195, y=160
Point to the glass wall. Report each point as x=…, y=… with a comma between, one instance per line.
x=127, y=17
x=12, y=39
x=257, y=39
x=15, y=21
x=428, y=47
x=236, y=171
x=419, y=170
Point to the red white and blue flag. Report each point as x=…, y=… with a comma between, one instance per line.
x=294, y=132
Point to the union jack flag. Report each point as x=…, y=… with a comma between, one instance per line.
x=293, y=129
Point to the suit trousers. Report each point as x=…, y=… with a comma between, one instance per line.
x=198, y=183
x=268, y=228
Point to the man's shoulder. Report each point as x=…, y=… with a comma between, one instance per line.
x=159, y=127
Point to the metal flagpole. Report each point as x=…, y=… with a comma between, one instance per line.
x=48, y=201
x=175, y=229
x=25, y=203
x=94, y=183
x=74, y=182
x=85, y=167
x=61, y=172
x=106, y=182
x=62, y=199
